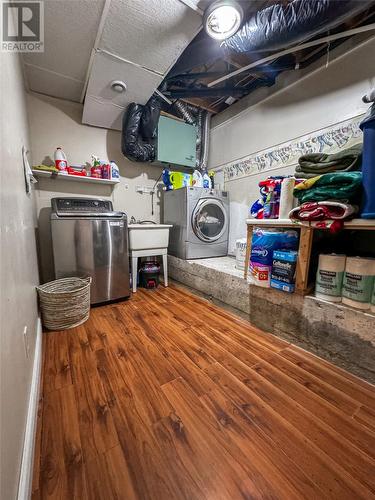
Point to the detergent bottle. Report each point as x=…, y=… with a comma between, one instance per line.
x=166, y=176
x=269, y=203
x=115, y=171
x=211, y=173
x=60, y=161
x=206, y=180
x=197, y=179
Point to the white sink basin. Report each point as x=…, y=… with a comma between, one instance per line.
x=148, y=236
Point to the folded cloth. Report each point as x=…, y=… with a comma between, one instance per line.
x=335, y=186
x=323, y=210
x=46, y=168
x=334, y=226
x=321, y=163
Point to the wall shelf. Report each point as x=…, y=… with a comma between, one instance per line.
x=365, y=224
x=74, y=178
x=305, y=243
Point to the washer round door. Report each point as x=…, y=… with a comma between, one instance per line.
x=209, y=220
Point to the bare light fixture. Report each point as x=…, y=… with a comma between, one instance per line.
x=222, y=19
x=118, y=86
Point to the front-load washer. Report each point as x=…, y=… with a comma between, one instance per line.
x=200, y=219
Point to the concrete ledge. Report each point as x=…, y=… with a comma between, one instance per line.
x=216, y=278
x=335, y=332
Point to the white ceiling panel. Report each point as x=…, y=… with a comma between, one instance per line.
x=140, y=83
x=55, y=85
x=70, y=28
x=151, y=33
x=102, y=113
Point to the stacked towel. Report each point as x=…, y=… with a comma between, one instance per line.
x=335, y=186
x=323, y=210
x=314, y=164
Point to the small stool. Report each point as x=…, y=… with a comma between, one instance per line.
x=148, y=253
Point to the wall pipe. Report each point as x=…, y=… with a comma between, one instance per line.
x=162, y=96
x=354, y=31
x=203, y=92
x=205, y=139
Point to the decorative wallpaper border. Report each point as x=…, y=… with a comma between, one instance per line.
x=328, y=140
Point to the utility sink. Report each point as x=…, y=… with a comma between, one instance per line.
x=148, y=236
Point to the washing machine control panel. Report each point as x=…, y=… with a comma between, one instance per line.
x=210, y=192
x=62, y=206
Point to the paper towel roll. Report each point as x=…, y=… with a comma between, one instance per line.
x=329, y=277
x=240, y=253
x=286, y=197
x=358, y=282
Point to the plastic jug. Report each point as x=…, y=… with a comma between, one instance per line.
x=115, y=172
x=167, y=179
x=206, y=180
x=60, y=161
x=187, y=180
x=197, y=179
x=177, y=180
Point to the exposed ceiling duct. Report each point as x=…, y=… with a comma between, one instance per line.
x=282, y=24
x=277, y=36
x=132, y=145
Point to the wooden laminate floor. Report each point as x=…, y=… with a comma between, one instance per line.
x=167, y=396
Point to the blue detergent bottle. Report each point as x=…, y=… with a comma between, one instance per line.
x=206, y=180
x=166, y=176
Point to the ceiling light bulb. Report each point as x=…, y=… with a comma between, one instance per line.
x=222, y=19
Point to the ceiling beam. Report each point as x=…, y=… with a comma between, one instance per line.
x=200, y=103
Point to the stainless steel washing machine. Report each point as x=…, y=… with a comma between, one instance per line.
x=90, y=239
x=200, y=219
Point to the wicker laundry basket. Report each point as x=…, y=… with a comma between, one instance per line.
x=65, y=303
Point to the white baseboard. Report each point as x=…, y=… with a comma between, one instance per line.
x=26, y=474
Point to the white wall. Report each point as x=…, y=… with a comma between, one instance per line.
x=314, y=100
x=55, y=122
x=19, y=274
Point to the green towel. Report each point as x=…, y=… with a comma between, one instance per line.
x=334, y=186
x=314, y=164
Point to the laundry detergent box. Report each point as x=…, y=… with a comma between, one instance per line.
x=283, y=271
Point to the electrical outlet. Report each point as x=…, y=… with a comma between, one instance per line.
x=144, y=190
x=26, y=342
